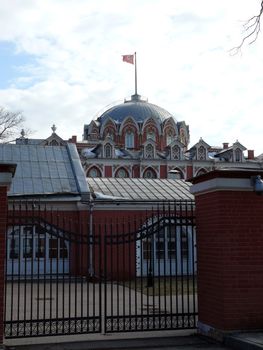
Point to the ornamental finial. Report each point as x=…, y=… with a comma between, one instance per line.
x=54, y=128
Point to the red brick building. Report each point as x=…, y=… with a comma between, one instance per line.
x=137, y=139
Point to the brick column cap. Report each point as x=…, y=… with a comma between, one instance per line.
x=7, y=172
x=225, y=179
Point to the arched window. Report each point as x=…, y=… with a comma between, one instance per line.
x=108, y=151
x=201, y=153
x=109, y=133
x=178, y=174
x=149, y=174
x=129, y=139
x=54, y=143
x=201, y=172
x=121, y=173
x=149, y=151
x=151, y=134
x=238, y=155
x=169, y=137
x=94, y=172
x=176, y=152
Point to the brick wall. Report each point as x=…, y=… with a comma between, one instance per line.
x=3, y=213
x=230, y=259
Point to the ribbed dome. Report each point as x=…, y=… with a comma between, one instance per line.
x=138, y=109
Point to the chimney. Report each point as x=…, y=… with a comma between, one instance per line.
x=73, y=139
x=250, y=154
x=225, y=145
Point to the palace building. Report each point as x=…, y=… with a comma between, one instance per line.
x=137, y=139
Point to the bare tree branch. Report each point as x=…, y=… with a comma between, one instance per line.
x=10, y=124
x=252, y=28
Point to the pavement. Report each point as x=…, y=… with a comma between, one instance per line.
x=182, y=343
x=246, y=341
x=179, y=340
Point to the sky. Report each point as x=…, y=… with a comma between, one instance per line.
x=61, y=63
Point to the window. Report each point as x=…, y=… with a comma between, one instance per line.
x=201, y=172
x=184, y=244
x=201, y=153
x=147, y=250
x=151, y=134
x=238, y=155
x=109, y=134
x=53, y=248
x=171, y=249
x=40, y=247
x=54, y=143
x=149, y=174
x=108, y=151
x=129, y=139
x=160, y=249
x=176, y=153
x=169, y=138
x=14, y=248
x=28, y=242
x=149, y=151
x=33, y=242
x=121, y=173
x=94, y=172
x=27, y=247
x=57, y=248
x=63, y=251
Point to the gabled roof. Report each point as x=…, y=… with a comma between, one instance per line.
x=44, y=170
x=201, y=142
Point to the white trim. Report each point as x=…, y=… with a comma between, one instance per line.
x=220, y=184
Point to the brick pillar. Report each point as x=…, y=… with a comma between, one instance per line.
x=229, y=217
x=6, y=173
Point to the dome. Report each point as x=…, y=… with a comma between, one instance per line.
x=137, y=108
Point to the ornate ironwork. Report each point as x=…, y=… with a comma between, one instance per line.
x=150, y=323
x=17, y=329
x=56, y=264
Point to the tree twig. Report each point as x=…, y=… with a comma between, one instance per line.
x=251, y=28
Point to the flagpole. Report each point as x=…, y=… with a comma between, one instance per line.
x=135, y=63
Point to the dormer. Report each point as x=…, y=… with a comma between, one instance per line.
x=176, y=150
x=108, y=147
x=238, y=149
x=149, y=149
x=232, y=154
x=53, y=139
x=199, y=151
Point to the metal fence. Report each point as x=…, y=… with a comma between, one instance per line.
x=68, y=275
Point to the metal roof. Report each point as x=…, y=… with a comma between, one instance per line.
x=140, y=189
x=137, y=108
x=44, y=170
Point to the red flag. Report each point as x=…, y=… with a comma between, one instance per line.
x=128, y=58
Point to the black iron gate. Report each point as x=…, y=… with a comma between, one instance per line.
x=65, y=275
x=151, y=272
x=49, y=289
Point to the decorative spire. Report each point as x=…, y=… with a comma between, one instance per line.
x=22, y=133
x=53, y=128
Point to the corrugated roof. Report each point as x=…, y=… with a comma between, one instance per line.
x=141, y=189
x=43, y=170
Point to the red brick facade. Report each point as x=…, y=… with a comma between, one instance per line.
x=229, y=255
x=5, y=181
x=3, y=213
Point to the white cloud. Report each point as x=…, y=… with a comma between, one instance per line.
x=183, y=63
